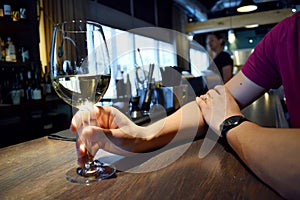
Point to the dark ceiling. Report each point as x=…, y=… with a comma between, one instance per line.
x=195, y=10
x=221, y=8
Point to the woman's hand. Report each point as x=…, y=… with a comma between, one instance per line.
x=217, y=105
x=108, y=129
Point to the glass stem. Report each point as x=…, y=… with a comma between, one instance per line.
x=86, y=122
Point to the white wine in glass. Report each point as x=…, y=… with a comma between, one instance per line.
x=80, y=73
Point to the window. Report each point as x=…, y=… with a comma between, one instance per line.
x=148, y=49
x=199, y=59
x=128, y=50
x=167, y=54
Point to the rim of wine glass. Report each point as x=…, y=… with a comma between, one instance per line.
x=59, y=25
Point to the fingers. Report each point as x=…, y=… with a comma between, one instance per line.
x=87, y=144
x=76, y=122
x=207, y=102
x=202, y=100
x=84, y=118
x=81, y=152
x=206, y=98
x=210, y=94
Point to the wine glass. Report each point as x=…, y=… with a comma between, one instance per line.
x=80, y=74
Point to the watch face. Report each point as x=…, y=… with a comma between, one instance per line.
x=234, y=120
x=230, y=123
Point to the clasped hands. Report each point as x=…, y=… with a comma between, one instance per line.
x=217, y=105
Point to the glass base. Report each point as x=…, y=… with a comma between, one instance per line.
x=97, y=172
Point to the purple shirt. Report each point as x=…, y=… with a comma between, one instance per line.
x=276, y=61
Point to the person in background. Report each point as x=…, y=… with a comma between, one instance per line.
x=271, y=153
x=215, y=43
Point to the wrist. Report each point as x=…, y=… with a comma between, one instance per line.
x=231, y=123
x=152, y=131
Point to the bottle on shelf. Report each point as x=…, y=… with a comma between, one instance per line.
x=48, y=85
x=1, y=10
x=21, y=86
x=10, y=51
x=0, y=47
x=15, y=11
x=23, y=55
x=43, y=84
x=36, y=90
x=22, y=10
x=47, y=82
x=127, y=86
x=3, y=50
x=28, y=85
x=120, y=83
x=15, y=91
x=7, y=10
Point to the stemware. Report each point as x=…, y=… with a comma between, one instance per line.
x=80, y=74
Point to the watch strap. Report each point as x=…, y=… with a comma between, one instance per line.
x=230, y=123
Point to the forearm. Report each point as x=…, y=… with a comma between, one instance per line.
x=272, y=154
x=186, y=124
x=240, y=83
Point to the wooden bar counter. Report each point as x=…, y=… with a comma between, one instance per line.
x=36, y=170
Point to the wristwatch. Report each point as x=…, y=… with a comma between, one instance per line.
x=230, y=123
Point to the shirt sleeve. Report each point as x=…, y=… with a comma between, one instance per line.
x=261, y=66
